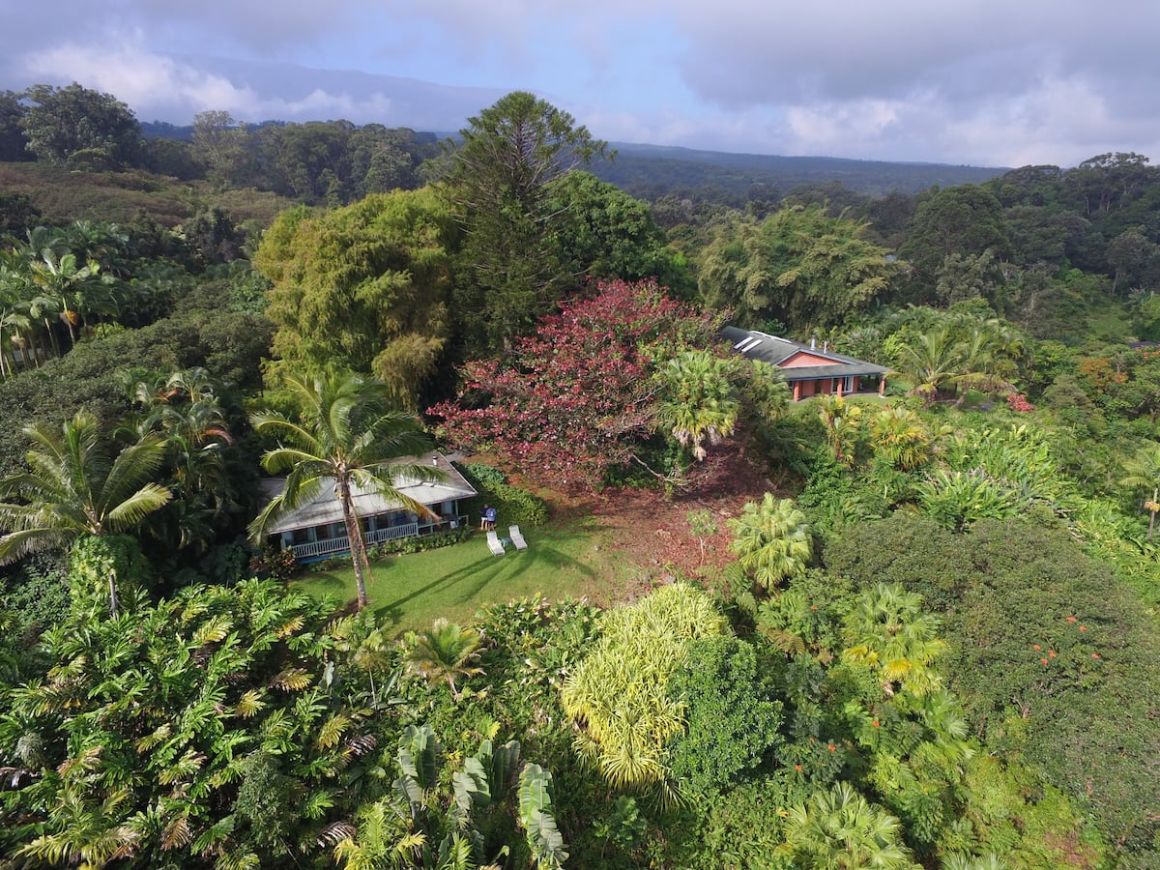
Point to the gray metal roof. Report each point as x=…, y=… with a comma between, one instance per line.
x=776, y=350
x=324, y=508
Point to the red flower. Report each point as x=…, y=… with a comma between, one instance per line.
x=1095, y=655
x=1051, y=653
x=1083, y=628
x=1036, y=647
x=1044, y=662
x=875, y=723
x=1071, y=619
x=798, y=768
x=831, y=747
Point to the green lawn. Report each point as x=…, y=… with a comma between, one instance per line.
x=411, y=591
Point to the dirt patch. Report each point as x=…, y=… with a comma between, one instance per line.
x=653, y=531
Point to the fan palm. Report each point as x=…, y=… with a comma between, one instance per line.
x=77, y=485
x=901, y=438
x=699, y=402
x=346, y=435
x=1144, y=473
x=839, y=829
x=887, y=630
x=445, y=651
x=771, y=540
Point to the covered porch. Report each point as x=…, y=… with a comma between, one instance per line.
x=850, y=385
x=316, y=528
x=320, y=542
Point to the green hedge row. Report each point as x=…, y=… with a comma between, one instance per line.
x=516, y=506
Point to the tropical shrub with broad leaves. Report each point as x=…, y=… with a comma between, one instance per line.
x=148, y=731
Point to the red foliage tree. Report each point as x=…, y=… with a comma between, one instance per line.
x=575, y=398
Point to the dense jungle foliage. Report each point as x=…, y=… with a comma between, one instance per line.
x=930, y=640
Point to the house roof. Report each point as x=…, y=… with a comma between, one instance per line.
x=775, y=351
x=324, y=508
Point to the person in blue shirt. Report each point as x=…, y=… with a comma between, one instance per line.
x=491, y=514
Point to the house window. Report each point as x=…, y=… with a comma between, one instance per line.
x=848, y=387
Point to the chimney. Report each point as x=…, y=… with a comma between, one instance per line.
x=813, y=344
x=434, y=460
x=825, y=346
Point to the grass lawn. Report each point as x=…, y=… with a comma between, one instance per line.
x=411, y=591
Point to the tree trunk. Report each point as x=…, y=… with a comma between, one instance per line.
x=113, y=594
x=1152, y=513
x=354, y=536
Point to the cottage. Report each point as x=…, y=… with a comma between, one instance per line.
x=808, y=369
x=315, y=529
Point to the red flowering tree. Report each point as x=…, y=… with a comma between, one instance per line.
x=576, y=398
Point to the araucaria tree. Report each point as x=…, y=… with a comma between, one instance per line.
x=498, y=178
x=346, y=436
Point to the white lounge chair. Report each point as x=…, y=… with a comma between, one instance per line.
x=493, y=544
x=517, y=537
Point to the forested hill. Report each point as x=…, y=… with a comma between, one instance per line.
x=651, y=171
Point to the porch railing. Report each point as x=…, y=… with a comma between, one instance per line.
x=316, y=549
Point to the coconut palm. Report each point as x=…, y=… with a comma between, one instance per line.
x=771, y=540
x=839, y=829
x=445, y=651
x=1144, y=473
x=62, y=279
x=77, y=485
x=346, y=435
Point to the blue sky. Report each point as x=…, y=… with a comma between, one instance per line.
x=989, y=82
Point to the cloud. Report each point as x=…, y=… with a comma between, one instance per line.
x=983, y=81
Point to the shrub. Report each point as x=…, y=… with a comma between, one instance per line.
x=730, y=721
x=274, y=564
x=515, y=505
x=1052, y=657
x=618, y=696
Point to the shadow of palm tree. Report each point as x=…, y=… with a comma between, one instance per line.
x=472, y=579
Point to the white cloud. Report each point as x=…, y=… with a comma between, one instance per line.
x=156, y=85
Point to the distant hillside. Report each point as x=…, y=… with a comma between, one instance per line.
x=651, y=171
x=63, y=195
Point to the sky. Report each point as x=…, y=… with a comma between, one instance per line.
x=983, y=82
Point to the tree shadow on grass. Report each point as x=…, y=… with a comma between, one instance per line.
x=471, y=579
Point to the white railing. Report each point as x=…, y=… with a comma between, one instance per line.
x=341, y=544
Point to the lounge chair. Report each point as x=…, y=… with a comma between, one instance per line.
x=493, y=544
x=517, y=537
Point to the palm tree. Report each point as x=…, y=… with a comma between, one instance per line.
x=900, y=437
x=771, y=540
x=78, y=486
x=62, y=279
x=843, y=425
x=938, y=360
x=888, y=631
x=839, y=829
x=185, y=410
x=346, y=436
x=699, y=401
x=445, y=651
x=1144, y=473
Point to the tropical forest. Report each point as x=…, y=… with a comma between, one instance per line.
x=684, y=608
